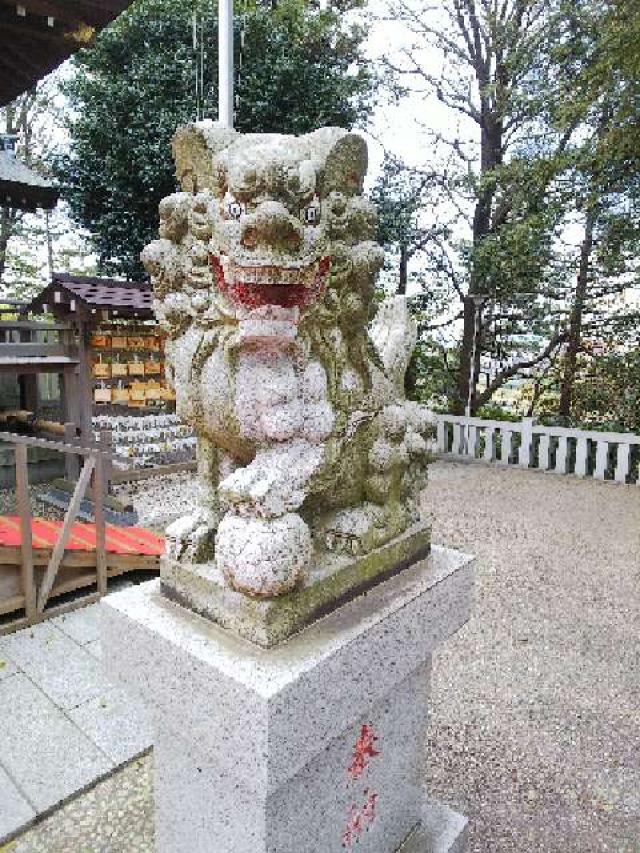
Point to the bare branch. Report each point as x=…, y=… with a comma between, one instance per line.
x=514, y=369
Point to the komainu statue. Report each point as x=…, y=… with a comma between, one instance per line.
x=283, y=360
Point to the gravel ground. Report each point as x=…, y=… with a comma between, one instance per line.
x=115, y=815
x=38, y=507
x=536, y=718
x=535, y=729
x=160, y=500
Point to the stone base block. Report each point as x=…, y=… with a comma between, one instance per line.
x=331, y=580
x=312, y=746
x=331, y=804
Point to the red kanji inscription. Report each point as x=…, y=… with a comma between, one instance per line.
x=363, y=751
x=359, y=820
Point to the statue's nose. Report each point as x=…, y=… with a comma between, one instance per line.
x=271, y=226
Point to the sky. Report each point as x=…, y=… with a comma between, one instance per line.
x=397, y=127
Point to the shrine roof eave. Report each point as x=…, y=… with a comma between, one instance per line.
x=29, y=197
x=36, y=36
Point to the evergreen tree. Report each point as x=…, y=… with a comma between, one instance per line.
x=297, y=68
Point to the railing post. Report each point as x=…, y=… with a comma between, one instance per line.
x=456, y=447
x=99, y=487
x=543, y=452
x=602, y=452
x=472, y=440
x=526, y=442
x=441, y=434
x=26, y=544
x=105, y=443
x=487, y=454
x=581, y=456
x=622, y=463
x=561, y=455
x=505, y=449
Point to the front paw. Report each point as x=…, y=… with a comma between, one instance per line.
x=275, y=482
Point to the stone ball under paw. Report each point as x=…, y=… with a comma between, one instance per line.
x=263, y=557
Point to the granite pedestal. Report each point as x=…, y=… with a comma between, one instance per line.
x=315, y=745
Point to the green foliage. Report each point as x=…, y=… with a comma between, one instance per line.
x=598, y=57
x=607, y=393
x=543, y=200
x=397, y=194
x=301, y=68
x=431, y=375
x=493, y=412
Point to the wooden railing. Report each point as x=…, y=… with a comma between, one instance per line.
x=95, y=462
x=28, y=339
x=585, y=453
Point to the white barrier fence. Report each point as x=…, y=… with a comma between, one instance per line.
x=585, y=453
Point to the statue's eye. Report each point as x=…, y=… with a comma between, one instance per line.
x=311, y=215
x=235, y=209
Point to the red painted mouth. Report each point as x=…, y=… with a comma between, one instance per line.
x=288, y=287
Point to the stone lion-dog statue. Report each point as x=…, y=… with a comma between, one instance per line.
x=284, y=360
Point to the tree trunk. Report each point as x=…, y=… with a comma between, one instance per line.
x=574, y=341
x=404, y=262
x=490, y=158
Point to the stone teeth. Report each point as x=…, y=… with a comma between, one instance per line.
x=275, y=275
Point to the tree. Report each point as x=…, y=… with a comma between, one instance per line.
x=398, y=195
x=502, y=158
x=598, y=64
x=298, y=67
x=600, y=50
x=607, y=391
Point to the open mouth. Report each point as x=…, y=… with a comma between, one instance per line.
x=255, y=286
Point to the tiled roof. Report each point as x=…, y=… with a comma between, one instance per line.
x=121, y=298
x=108, y=293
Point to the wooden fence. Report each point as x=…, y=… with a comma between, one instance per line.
x=610, y=456
x=92, y=474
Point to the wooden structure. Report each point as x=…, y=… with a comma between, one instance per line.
x=38, y=35
x=29, y=348
x=120, y=347
x=20, y=186
x=36, y=566
x=79, y=305
x=108, y=353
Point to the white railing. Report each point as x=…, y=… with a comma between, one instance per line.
x=585, y=453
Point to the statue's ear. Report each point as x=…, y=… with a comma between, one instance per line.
x=195, y=147
x=346, y=165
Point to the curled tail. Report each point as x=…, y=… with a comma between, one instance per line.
x=394, y=332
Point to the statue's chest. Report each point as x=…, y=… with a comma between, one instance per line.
x=268, y=401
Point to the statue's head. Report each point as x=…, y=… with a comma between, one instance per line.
x=279, y=215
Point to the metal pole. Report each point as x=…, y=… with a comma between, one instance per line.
x=225, y=59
